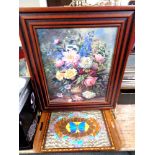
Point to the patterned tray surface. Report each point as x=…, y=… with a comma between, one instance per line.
x=76, y=129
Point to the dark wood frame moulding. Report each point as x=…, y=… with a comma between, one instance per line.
x=121, y=17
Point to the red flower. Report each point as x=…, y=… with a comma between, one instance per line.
x=75, y=65
x=92, y=73
x=81, y=71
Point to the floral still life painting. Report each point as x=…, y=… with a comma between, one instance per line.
x=77, y=62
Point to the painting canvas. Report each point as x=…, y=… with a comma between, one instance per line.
x=77, y=62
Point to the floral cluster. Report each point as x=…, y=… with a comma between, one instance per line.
x=78, y=68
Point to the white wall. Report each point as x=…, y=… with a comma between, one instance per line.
x=32, y=3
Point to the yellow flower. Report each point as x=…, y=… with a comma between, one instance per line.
x=70, y=73
x=59, y=75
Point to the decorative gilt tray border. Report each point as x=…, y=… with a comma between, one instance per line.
x=109, y=123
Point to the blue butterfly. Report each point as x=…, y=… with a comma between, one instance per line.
x=77, y=127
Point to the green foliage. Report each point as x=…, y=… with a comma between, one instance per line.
x=98, y=88
x=101, y=68
x=101, y=51
x=81, y=78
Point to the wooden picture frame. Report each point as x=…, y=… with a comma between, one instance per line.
x=120, y=17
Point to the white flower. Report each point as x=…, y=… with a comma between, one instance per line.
x=69, y=100
x=77, y=98
x=71, y=57
x=86, y=62
x=59, y=95
x=67, y=86
x=88, y=94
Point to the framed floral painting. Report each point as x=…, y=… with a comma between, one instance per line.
x=77, y=62
x=77, y=55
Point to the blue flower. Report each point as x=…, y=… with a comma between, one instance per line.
x=57, y=55
x=83, y=52
x=86, y=47
x=49, y=53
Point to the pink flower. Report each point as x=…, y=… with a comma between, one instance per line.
x=59, y=63
x=92, y=72
x=95, y=66
x=90, y=81
x=56, y=41
x=75, y=65
x=99, y=58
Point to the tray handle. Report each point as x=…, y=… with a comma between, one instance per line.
x=41, y=130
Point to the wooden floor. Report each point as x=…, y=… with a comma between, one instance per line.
x=125, y=121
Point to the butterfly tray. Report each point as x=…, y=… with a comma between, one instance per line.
x=67, y=131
